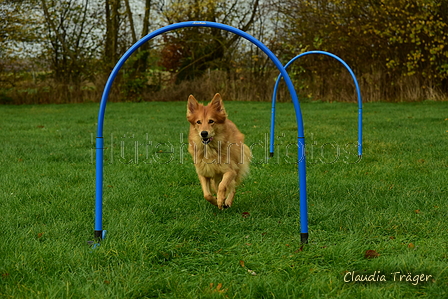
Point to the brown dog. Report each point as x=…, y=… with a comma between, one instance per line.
x=217, y=146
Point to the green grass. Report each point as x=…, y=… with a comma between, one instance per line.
x=165, y=241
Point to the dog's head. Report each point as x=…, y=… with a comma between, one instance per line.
x=206, y=119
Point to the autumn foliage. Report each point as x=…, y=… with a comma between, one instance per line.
x=63, y=51
x=397, y=47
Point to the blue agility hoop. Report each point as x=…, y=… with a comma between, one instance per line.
x=99, y=233
x=358, y=91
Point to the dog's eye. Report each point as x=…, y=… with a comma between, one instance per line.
x=198, y=122
x=211, y=121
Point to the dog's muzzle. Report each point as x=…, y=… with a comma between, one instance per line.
x=205, y=138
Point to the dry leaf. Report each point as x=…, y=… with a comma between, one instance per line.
x=218, y=288
x=410, y=245
x=299, y=250
x=252, y=272
x=245, y=214
x=370, y=254
x=417, y=211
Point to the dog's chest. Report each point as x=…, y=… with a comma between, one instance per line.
x=210, y=161
x=210, y=170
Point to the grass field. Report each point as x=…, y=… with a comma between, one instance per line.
x=165, y=241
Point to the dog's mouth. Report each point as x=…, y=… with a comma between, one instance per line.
x=207, y=140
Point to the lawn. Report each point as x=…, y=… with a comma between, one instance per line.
x=381, y=218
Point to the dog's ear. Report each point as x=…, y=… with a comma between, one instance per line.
x=192, y=105
x=218, y=105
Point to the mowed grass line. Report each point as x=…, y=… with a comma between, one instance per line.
x=165, y=241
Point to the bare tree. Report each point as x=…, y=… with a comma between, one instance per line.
x=71, y=38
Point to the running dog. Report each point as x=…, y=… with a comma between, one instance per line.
x=219, y=154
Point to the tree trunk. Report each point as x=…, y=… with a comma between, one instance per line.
x=111, y=40
x=145, y=31
x=131, y=21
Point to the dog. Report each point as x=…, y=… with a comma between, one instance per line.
x=217, y=147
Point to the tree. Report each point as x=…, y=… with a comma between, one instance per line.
x=17, y=28
x=111, y=47
x=136, y=69
x=72, y=39
x=395, y=41
x=191, y=51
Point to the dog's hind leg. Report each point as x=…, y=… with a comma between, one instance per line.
x=214, y=183
x=205, y=184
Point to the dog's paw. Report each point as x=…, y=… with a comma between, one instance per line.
x=220, y=204
x=211, y=199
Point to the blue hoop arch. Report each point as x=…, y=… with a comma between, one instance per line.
x=99, y=233
x=358, y=91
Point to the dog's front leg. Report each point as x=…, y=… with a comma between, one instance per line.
x=230, y=194
x=227, y=184
x=205, y=184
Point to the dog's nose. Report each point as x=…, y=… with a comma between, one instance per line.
x=204, y=134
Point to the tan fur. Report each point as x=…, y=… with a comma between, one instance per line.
x=223, y=162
